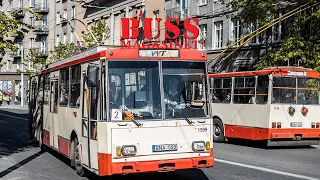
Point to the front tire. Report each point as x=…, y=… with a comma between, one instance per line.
x=77, y=159
x=218, y=130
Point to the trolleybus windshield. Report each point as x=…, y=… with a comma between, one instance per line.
x=135, y=88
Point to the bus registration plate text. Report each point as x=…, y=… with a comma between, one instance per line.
x=296, y=124
x=164, y=147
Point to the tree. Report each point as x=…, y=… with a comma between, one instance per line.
x=36, y=58
x=62, y=51
x=301, y=41
x=10, y=25
x=100, y=31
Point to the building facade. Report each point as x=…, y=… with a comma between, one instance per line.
x=220, y=28
x=36, y=40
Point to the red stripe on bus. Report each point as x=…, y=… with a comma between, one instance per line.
x=108, y=168
x=46, y=138
x=64, y=146
x=255, y=133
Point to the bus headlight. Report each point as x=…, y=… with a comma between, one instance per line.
x=129, y=150
x=198, y=146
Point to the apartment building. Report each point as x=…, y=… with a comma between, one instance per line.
x=112, y=11
x=68, y=24
x=220, y=28
x=36, y=39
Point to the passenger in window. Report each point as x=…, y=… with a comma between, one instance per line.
x=312, y=98
x=215, y=99
x=228, y=98
x=289, y=98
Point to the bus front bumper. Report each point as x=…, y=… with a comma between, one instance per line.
x=106, y=167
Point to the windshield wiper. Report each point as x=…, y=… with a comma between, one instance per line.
x=180, y=111
x=122, y=111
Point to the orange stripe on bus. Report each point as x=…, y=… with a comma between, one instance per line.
x=255, y=133
x=108, y=168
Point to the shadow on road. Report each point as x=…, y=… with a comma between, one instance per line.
x=262, y=144
x=19, y=164
x=14, y=134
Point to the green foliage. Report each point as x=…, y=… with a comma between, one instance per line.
x=100, y=31
x=35, y=57
x=9, y=25
x=62, y=51
x=301, y=42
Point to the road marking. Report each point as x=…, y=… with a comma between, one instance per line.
x=266, y=169
x=14, y=117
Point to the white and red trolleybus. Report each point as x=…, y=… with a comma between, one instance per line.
x=119, y=111
x=278, y=105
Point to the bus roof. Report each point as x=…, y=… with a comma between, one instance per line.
x=129, y=54
x=276, y=71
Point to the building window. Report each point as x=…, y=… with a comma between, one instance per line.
x=258, y=38
x=73, y=12
x=71, y=37
x=202, y=2
x=32, y=3
x=202, y=36
x=277, y=30
x=10, y=5
x=58, y=18
x=57, y=40
x=218, y=34
x=65, y=14
x=31, y=45
x=64, y=39
x=236, y=30
x=44, y=20
x=31, y=21
x=43, y=45
x=155, y=24
x=8, y=65
x=21, y=3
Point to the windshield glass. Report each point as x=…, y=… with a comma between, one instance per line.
x=184, y=89
x=286, y=90
x=134, y=88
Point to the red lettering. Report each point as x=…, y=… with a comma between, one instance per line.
x=148, y=28
x=126, y=45
x=172, y=28
x=125, y=28
x=191, y=28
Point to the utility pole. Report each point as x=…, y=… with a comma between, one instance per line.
x=22, y=81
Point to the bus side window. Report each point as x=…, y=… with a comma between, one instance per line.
x=244, y=90
x=75, y=86
x=221, y=90
x=64, y=87
x=262, y=90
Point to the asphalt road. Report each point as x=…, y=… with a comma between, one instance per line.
x=19, y=159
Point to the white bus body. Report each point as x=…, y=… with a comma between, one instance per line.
x=139, y=134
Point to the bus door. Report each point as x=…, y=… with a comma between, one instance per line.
x=53, y=113
x=32, y=107
x=90, y=101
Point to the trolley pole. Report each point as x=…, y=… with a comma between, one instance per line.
x=22, y=84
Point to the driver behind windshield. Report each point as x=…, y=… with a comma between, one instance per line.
x=174, y=96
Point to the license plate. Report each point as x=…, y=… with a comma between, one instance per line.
x=296, y=124
x=164, y=147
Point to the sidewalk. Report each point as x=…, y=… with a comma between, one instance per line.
x=14, y=107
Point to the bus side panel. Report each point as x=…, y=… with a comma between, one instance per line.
x=247, y=121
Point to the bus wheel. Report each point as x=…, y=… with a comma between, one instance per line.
x=77, y=158
x=218, y=130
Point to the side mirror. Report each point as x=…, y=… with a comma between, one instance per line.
x=93, y=76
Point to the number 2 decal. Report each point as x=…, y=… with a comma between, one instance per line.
x=116, y=114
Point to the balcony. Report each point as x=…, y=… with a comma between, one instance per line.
x=63, y=20
x=16, y=54
x=177, y=12
x=41, y=30
x=17, y=12
x=41, y=8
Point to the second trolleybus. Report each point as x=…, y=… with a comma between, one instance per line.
x=278, y=105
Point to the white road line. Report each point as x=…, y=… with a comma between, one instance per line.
x=14, y=117
x=266, y=169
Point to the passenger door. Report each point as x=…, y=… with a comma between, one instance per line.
x=90, y=101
